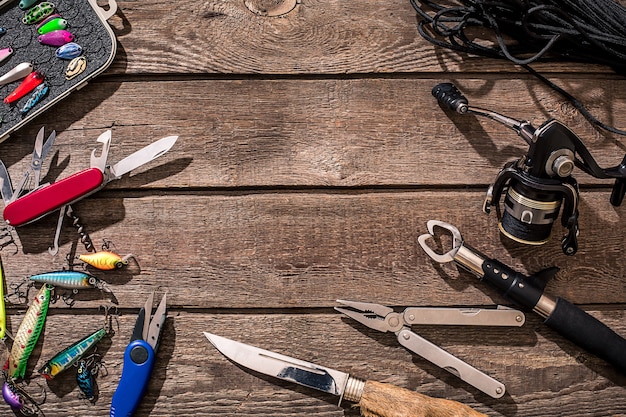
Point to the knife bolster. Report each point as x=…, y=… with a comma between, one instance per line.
x=354, y=389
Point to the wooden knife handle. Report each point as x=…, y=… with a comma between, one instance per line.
x=385, y=400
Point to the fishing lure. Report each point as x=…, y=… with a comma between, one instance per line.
x=76, y=67
x=105, y=260
x=31, y=81
x=28, y=333
x=86, y=379
x=70, y=355
x=57, y=23
x=38, y=95
x=11, y=397
x=19, y=400
x=56, y=38
x=3, y=313
x=73, y=280
x=25, y=4
x=5, y=53
x=38, y=13
x=69, y=51
x=20, y=71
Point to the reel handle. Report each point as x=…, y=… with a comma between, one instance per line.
x=448, y=95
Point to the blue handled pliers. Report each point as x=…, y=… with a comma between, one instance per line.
x=139, y=359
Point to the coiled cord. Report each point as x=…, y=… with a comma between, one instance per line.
x=590, y=31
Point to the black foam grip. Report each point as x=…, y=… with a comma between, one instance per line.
x=588, y=333
x=448, y=95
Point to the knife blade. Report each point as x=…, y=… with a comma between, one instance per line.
x=6, y=188
x=374, y=398
x=143, y=156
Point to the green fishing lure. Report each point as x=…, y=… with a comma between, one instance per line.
x=70, y=355
x=3, y=313
x=28, y=333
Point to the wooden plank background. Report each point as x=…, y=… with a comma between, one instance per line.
x=311, y=155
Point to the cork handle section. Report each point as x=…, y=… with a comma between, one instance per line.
x=385, y=400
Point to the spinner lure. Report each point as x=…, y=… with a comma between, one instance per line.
x=28, y=334
x=70, y=355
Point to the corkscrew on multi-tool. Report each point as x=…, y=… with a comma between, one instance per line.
x=541, y=180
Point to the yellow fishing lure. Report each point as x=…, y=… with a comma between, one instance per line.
x=105, y=260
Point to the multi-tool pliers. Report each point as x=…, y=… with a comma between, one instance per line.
x=139, y=358
x=528, y=292
x=385, y=319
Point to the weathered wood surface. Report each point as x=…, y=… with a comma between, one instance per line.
x=311, y=156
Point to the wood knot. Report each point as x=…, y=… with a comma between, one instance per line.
x=271, y=8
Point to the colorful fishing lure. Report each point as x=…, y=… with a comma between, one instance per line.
x=28, y=334
x=105, y=260
x=47, y=19
x=31, y=81
x=86, y=379
x=68, y=356
x=57, y=23
x=3, y=313
x=69, y=51
x=56, y=38
x=11, y=397
x=73, y=280
x=38, y=13
x=38, y=95
x=5, y=53
x=76, y=67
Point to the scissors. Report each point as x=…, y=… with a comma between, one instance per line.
x=139, y=359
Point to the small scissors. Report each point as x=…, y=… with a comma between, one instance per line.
x=139, y=359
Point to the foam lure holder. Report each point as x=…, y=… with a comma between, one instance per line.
x=77, y=30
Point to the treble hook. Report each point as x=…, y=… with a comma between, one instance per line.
x=22, y=296
x=108, y=318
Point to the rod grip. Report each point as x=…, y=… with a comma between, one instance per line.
x=386, y=400
x=588, y=333
x=449, y=96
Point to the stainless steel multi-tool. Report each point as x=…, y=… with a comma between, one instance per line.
x=385, y=319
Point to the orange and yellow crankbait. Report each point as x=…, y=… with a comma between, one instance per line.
x=105, y=260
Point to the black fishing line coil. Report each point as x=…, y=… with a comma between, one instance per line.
x=539, y=183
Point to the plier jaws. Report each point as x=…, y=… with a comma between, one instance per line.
x=385, y=319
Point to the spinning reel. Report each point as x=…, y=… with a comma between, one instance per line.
x=539, y=182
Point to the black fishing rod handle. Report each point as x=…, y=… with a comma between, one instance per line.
x=565, y=318
x=588, y=333
x=448, y=95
